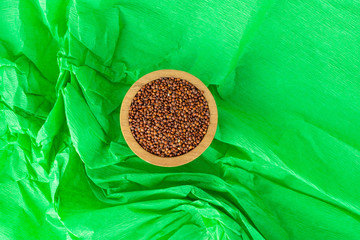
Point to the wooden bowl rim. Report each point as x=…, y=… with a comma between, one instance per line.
x=152, y=158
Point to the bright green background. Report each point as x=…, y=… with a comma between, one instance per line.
x=285, y=161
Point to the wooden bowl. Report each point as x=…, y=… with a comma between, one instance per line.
x=167, y=161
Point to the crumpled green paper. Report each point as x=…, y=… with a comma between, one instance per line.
x=285, y=161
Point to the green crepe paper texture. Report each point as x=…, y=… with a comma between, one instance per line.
x=285, y=161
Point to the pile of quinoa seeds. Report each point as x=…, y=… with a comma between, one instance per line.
x=169, y=117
